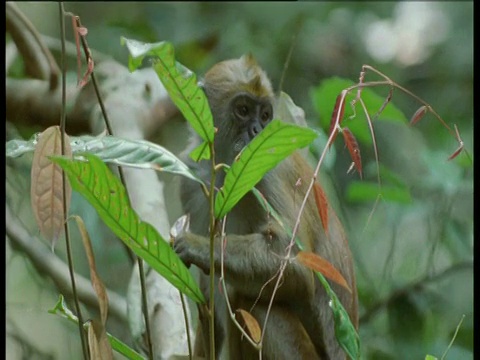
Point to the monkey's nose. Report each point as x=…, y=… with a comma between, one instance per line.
x=254, y=128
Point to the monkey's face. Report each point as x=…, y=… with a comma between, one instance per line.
x=249, y=116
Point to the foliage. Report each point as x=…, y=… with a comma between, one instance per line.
x=424, y=223
x=106, y=193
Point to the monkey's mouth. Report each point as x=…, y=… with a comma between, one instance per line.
x=240, y=143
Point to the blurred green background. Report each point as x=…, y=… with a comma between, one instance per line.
x=413, y=250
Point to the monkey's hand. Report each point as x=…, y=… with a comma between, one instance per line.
x=180, y=246
x=193, y=249
x=179, y=239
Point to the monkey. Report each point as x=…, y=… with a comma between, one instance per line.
x=300, y=323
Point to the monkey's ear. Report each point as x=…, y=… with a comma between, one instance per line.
x=249, y=59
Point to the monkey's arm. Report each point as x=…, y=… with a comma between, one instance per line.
x=250, y=262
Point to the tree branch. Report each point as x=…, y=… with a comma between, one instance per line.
x=414, y=286
x=39, y=62
x=49, y=264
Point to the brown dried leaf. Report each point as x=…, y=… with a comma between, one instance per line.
x=250, y=323
x=460, y=146
x=98, y=344
x=46, y=184
x=97, y=283
x=180, y=227
x=338, y=111
x=353, y=149
x=322, y=205
x=317, y=263
x=88, y=72
x=456, y=152
x=419, y=114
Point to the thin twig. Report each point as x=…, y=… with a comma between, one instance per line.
x=299, y=22
x=213, y=223
x=66, y=226
x=257, y=346
x=187, y=325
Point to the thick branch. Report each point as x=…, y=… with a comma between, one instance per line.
x=31, y=101
x=414, y=286
x=39, y=62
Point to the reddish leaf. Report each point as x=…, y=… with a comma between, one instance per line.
x=76, y=33
x=80, y=31
x=455, y=154
x=317, y=263
x=338, y=111
x=88, y=72
x=97, y=283
x=419, y=114
x=460, y=147
x=385, y=103
x=322, y=205
x=353, y=149
x=250, y=323
x=47, y=184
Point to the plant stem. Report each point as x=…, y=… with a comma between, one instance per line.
x=67, y=233
x=212, y=255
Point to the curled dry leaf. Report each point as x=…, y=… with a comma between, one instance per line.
x=47, y=184
x=455, y=154
x=353, y=149
x=338, y=112
x=98, y=343
x=250, y=323
x=88, y=72
x=97, y=283
x=180, y=226
x=419, y=114
x=460, y=146
x=322, y=205
x=317, y=263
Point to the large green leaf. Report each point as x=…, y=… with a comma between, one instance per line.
x=124, y=152
x=106, y=193
x=274, y=143
x=324, y=98
x=180, y=83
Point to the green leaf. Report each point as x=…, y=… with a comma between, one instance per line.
x=61, y=309
x=361, y=191
x=273, y=144
x=345, y=332
x=110, y=149
x=106, y=193
x=201, y=152
x=180, y=83
x=324, y=98
x=15, y=148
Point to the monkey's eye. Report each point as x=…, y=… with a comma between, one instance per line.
x=242, y=110
x=265, y=116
